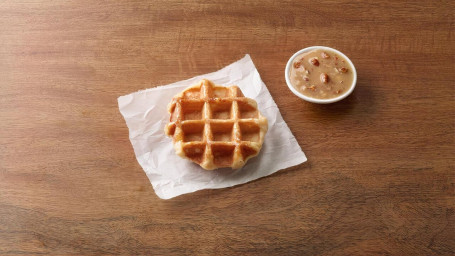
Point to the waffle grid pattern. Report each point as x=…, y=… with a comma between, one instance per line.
x=216, y=126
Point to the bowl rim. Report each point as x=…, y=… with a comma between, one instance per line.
x=314, y=100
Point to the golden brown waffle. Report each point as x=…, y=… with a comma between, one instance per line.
x=215, y=126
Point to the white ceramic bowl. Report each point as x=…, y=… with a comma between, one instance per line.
x=314, y=100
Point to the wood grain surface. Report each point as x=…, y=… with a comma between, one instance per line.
x=380, y=179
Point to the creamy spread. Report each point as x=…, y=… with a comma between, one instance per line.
x=321, y=74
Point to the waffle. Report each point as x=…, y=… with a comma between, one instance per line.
x=215, y=126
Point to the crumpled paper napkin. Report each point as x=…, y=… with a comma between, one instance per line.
x=145, y=113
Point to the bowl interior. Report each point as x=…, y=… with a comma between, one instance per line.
x=315, y=100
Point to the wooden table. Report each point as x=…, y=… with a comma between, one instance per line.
x=380, y=179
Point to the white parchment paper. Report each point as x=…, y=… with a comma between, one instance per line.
x=145, y=113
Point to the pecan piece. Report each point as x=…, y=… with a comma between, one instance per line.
x=324, y=78
x=297, y=64
x=314, y=61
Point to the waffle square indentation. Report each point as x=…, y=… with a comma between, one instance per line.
x=223, y=154
x=247, y=151
x=221, y=109
x=192, y=110
x=250, y=131
x=221, y=92
x=192, y=131
x=222, y=131
x=192, y=94
x=246, y=110
x=194, y=151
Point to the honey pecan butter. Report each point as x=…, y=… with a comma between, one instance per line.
x=321, y=74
